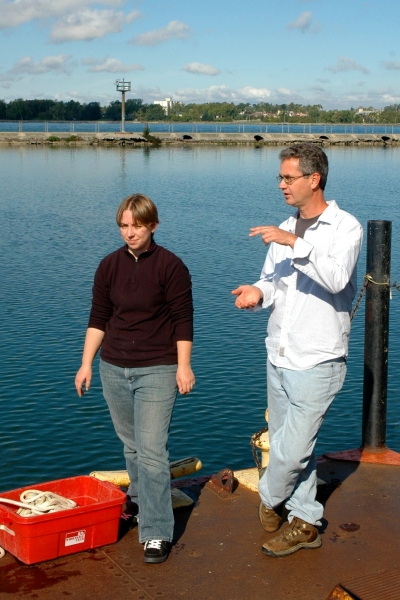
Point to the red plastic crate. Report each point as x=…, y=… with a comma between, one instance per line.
x=93, y=523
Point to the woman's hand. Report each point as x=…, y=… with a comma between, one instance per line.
x=83, y=377
x=93, y=340
x=184, y=375
x=185, y=379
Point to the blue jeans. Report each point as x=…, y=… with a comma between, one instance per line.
x=140, y=401
x=297, y=404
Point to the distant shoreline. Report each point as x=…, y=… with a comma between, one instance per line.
x=196, y=139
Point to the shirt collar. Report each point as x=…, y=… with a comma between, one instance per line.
x=327, y=216
x=151, y=249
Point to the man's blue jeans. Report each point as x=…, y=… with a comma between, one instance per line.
x=140, y=401
x=297, y=404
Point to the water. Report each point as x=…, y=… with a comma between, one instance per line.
x=203, y=127
x=58, y=207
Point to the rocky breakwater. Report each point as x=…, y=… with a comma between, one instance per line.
x=163, y=139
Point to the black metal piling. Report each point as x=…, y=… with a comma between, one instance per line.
x=376, y=334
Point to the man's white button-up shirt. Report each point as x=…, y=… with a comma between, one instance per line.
x=310, y=290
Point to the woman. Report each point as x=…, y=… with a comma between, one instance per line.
x=142, y=317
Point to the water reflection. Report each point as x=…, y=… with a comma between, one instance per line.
x=58, y=208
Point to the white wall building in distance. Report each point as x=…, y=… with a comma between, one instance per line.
x=166, y=104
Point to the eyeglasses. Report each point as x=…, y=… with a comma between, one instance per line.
x=288, y=179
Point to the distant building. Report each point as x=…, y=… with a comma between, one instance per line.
x=166, y=104
x=361, y=111
x=291, y=113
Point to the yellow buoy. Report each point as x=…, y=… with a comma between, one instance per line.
x=178, y=468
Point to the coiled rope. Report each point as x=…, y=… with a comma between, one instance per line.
x=35, y=502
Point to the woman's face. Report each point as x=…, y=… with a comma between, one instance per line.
x=137, y=237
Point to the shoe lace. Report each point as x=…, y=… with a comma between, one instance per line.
x=292, y=530
x=153, y=544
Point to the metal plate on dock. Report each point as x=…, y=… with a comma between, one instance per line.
x=217, y=550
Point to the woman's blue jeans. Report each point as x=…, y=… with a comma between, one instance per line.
x=297, y=404
x=140, y=401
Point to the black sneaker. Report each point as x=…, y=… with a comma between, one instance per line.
x=156, y=551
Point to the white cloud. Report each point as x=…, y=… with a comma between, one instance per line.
x=303, y=22
x=345, y=64
x=253, y=93
x=17, y=12
x=87, y=24
x=110, y=65
x=48, y=64
x=174, y=30
x=6, y=81
x=221, y=93
x=284, y=91
x=201, y=69
x=391, y=98
x=390, y=64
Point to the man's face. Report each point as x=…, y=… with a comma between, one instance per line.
x=299, y=192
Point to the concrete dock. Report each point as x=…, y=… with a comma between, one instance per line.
x=217, y=550
x=179, y=139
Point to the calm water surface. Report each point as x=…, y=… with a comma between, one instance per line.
x=202, y=127
x=57, y=222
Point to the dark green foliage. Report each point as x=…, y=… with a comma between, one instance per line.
x=113, y=111
x=135, y=109
x=132, y=107
x=151, y=112
x=152, y=139
x=3, y=109
x=207, y=117
x=91, y=111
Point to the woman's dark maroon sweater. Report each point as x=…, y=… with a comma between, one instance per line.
x=144, y=307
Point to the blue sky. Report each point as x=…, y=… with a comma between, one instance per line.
x=337, y=53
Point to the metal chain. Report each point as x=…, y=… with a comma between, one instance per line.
x=358, y=301
x=368, y=279
x=396, y=285
x=254, y=438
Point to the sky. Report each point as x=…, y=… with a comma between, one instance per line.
x=336, y=53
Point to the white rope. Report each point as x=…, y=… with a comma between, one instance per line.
x=34, y=502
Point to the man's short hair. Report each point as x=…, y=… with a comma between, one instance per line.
x=144, y=211
x=311, y=160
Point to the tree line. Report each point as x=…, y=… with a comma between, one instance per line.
x=137, y=110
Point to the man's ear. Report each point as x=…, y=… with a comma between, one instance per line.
x=315, y=179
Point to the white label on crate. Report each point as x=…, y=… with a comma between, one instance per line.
x=75, y=537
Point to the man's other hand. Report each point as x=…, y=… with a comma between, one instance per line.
x=248, y=296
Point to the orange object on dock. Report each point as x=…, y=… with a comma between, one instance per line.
x=380, y=456
x=94, y=522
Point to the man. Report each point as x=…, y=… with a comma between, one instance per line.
x=308, y=281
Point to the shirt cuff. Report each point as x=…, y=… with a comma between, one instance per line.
x=301, y=249
x=267, y=293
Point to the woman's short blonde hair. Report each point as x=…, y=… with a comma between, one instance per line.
x=144, y=211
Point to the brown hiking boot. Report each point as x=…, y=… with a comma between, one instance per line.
x=269, y=519
x=298, y=535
